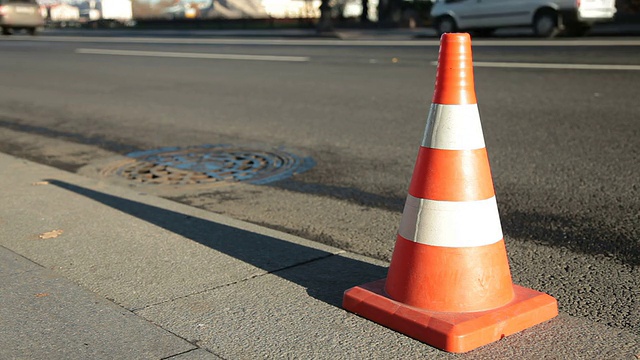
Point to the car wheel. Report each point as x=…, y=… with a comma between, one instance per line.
x=445, y=25
x=545, y=24
x=32, y=31
x=6, y=31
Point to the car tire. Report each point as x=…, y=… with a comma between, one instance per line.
x=445, y=24
x=546, y=24
x=32, y=31
x=6, y=31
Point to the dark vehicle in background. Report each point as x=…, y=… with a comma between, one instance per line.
x=20, y=14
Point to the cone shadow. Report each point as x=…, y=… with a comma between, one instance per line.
x=338, y=272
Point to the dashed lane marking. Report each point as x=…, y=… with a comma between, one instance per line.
x=186, y=55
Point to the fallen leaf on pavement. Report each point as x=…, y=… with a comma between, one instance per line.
x=41, y=295
x=50, y=234
x=40, y=183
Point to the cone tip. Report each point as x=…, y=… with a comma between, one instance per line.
x=454, y=79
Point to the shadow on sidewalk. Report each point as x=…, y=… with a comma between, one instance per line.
x=290, y=261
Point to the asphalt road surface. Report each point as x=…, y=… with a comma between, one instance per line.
x=560, y=118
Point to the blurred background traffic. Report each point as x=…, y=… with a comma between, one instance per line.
x=320, y=14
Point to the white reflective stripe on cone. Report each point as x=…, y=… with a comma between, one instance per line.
x=451, y=223
x=453, y=127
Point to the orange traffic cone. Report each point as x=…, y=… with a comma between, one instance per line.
x=449, y=283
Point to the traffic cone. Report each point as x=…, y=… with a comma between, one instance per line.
x=449, y=283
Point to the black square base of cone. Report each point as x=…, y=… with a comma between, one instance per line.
x=449, y=331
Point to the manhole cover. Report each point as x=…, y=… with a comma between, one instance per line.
x=209, y=164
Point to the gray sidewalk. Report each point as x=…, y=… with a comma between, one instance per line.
x=93, y=271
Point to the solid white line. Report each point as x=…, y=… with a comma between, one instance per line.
x=192, y=55
x=451, y=223
x=323, y=42
x=515, y=65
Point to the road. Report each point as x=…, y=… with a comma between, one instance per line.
x=560, y=119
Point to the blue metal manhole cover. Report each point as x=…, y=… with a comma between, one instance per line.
x=211, y=164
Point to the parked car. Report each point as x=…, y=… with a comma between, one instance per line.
x=546, y=17
x=20, y=14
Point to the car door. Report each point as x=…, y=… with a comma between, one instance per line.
x=461, y=10
x=470, y=13
x=500, y=13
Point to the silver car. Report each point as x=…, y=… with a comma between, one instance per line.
x=547, y=18
x=20, y=14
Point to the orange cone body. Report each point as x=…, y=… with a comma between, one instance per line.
x=449, y=283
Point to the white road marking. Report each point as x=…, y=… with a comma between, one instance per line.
x=518, y=65
x=192, y=55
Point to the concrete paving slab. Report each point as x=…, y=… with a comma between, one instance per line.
x=290, y=314
x=44, y=316
x=137, y=250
